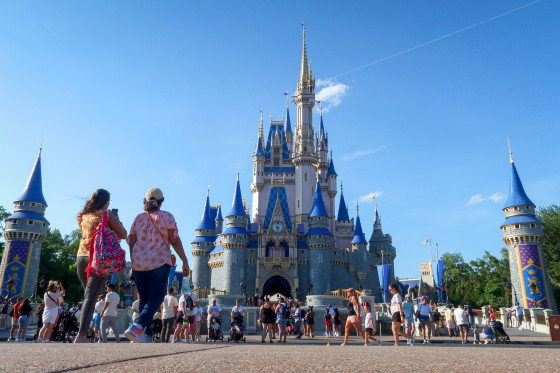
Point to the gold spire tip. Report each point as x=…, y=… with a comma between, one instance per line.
x=509, y=148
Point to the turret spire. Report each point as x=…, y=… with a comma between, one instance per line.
x=207, y=222
x=318, y=208
x=342, y=208
x=304, y=72
x=237, y=208
x=288, y=123
x=34, y=189
x=509, y=148
x=359, y=237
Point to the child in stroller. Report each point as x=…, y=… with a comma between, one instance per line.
x=157, y=326
x=215, y=329
x=236, y=329
x=501, y=335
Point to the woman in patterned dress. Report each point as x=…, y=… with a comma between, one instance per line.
x=150, y=236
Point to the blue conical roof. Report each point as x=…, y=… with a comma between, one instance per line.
x=219, y=213
x=517, y=195
x=207, y=222
x=34, y=190
x=331, y=169
x=342, y=209
x=288, y=123
x=358, y=233
x=260, y=150
x=322, y=129
x=237, y=208
x=318, y=208
x=377, y=218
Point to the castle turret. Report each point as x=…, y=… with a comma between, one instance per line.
x=259, y=160
x=523, y=234
x=331, y=192
x=25, y=231
x=319, y=240
x=304, y=156
x=381, y=245
x=289, y=133
x=235, y=240
x=203, y=244
x=219, y=220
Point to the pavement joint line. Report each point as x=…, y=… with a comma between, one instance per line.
x=70, y=369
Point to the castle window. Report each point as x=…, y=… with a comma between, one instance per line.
x=526, y=207
x=276, y=162
x=44, y=225
x=517, y=226
x=32, y=204
x=30, y=222
x=533, y=225
x=516, y=209
x=276, y=150
x=298, y=203
x=504, y=229
x=305, y=176
x=507, y=210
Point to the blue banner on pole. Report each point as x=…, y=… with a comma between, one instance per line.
x=440, y=278
x=113, y=278
x=172, y=276
x=386, y=282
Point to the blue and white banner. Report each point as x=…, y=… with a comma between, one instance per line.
x=440, y=278
x=385, y=282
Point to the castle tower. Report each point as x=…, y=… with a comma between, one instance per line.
x=319, y=240
x=359, y=250
x=202, y=245
x=381, y=245
x=331, y=192
x=25, y=231
x=235, y=240
x=219, y=220
x=304, y=149
x=289, y=133
x=259, y=160
x=344, y=225
x=523, y=234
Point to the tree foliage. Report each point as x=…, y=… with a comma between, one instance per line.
x=58, y=262
x=3, y=215
x=550, y=216
x=479, y=282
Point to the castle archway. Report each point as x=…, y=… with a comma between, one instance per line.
x=277, y=284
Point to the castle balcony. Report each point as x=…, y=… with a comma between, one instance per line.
x=284, y=263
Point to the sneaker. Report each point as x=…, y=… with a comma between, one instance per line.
x=11, y=339
x=343, y=344
x=474, y=343
x=271, y=342
x=425, y=342
x=412, y=341
x=378, y=342
x=136, y=334
x=520, y=328
x=408, y=341
x=177, y=340
x=263, y=341
x=38, y=340
x=486, y=342
x=430, y=341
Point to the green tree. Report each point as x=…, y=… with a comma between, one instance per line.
x=58, y=262
x=3, y=215
x=550, y=216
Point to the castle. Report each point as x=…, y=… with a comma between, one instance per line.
x=25, y=231
x=291, y=242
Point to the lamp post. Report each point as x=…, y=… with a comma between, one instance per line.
x=507, y=287
x=309, y=289
x=9, y=287
x=533, y=287
x=416, y=290
x=242, y=286
x=447, y=288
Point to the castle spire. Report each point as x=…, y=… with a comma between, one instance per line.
x=517, y=195
x=359, y=237
x=318, y=208
x=304, y=72
x=207, y=222
x=237, y=208
x=342, y=208
x=34, y=189
x=288, y=122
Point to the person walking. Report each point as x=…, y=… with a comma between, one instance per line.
x=310, y=317
x=24, y=314
x=283, y=314
x=436, y=320
x=170, y=304
x=408, y=309
x=354, y=316
x=369, y=324
x=449, y=323
x=197, y=320
x=99, y=306
x=519, y=315
x=14, y=313
x=150, y=236
x=460, y=317
x=267, y=319
x=297, y=321
x=52, y=299
x=424, y=314
x=89, y=219
x=509, y=310
x=336, y=322
x=398, y=315
x=109, y=314
x=4, y=313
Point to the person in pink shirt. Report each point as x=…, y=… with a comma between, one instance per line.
x=150, y=236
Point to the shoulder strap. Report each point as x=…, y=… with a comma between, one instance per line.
x=155, y=225
x=48, y=295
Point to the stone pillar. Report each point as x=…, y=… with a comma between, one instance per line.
x=485, y=315
x=503, y=315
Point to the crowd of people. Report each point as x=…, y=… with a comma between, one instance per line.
x=157, y=314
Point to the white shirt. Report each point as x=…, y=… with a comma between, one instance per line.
x=460, y=316
x=51, y=303
x=99, y=306
x=214, y=310
x=518, y=310
x=424, y=309
x=395, y=303
x=241, y=309
x=183, y=304
x=331, y=312
x=369, y=320
x=113, y=299
x=170, y=304
x=197, y=314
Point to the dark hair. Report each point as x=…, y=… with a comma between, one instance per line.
x=336, y=311
x=394, y=286
x=170, y=290
x=111, y=286
x=96, y=202
x=152, y=205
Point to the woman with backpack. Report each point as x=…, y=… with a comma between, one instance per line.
x=24, y=314
x=150, y=236
x=282, y=317
x=89, y=219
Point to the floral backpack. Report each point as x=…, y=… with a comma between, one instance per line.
x=106, y=256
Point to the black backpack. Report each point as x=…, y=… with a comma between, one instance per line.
x=189, y=304
x=285, y=312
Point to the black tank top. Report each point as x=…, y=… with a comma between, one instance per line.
x=268, y=316
x=350, y=306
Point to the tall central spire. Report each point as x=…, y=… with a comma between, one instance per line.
x=304, y=73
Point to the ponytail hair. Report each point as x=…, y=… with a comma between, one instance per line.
x=96, y=202
x=152, y=205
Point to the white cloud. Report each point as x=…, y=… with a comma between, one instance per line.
x=478, y=198
x=331, y=94
x=368, y=198
x=361, y=153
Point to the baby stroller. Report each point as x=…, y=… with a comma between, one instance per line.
x=157, y=326
x=66, y=328
x=501, y=335
x=215, y=329
x=236, y=330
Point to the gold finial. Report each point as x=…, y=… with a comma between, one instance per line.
x=303, y=25
x=358, y=208
x=509, y=147
x=287, y=93
x=316, y=165
x=341, y=188
x=237, y=171
x=208, y=190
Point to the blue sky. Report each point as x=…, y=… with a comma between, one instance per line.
x=135, y=94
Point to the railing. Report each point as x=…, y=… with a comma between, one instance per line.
x=203, y=293
x=277, y=260
x=541, y=319
x=342, y=293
